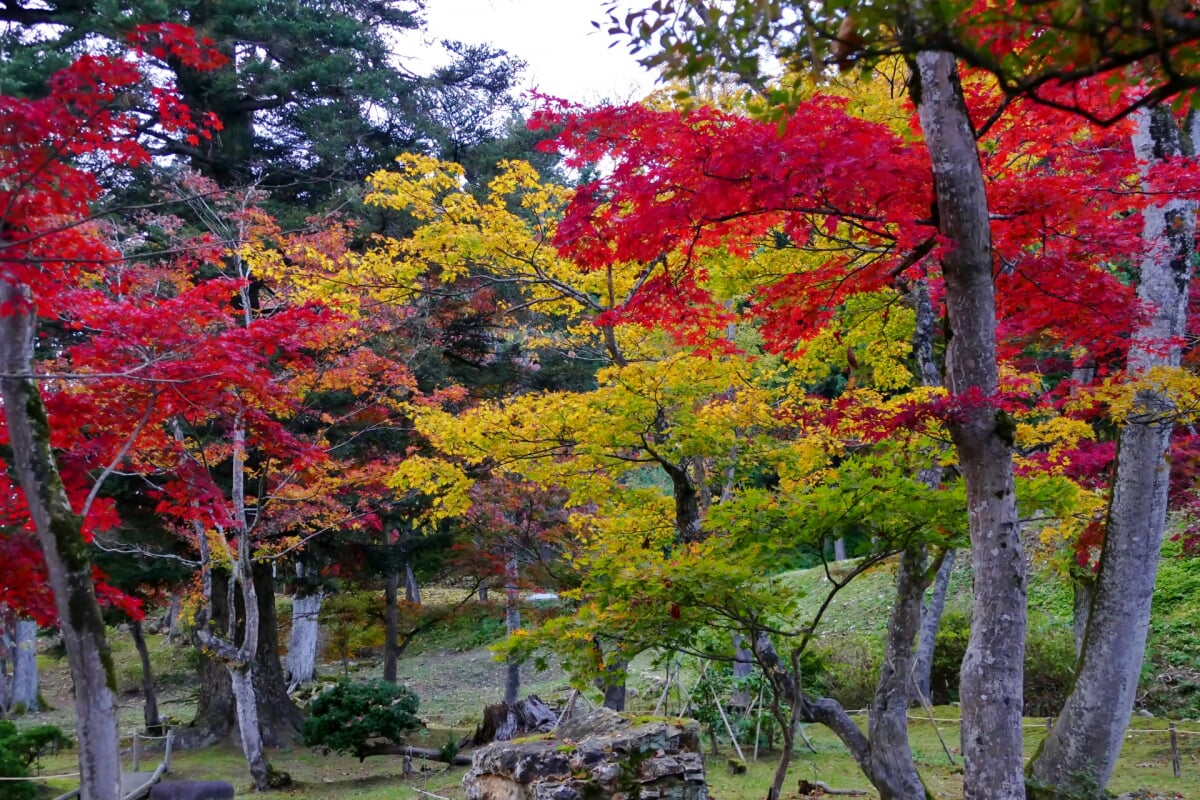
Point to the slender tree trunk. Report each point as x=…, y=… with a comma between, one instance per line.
x=302, y=644
x=992, y=672
x=931, y=620
x=68, y=563
x=839, y=549
x=893, y=771
x=788, y=732
x=1083, y=747
x=391, y=643
x=1083, y=588
x=25, y=669
x=512, y=614
x=149, y=694
x=743, y=668
x=237, y=644
x=932, y=608
x=5, y=649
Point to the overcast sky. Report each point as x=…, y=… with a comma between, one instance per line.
x=567, y=57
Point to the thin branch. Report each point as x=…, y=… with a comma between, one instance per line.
x=120, y=455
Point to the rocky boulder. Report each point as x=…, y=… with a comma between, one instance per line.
x=599, y=755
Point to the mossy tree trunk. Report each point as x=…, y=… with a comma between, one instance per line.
x=1082, y=749
x=68, y=562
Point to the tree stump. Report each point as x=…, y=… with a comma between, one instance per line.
x=503, y=723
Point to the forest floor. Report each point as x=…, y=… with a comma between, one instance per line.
x=454, y=675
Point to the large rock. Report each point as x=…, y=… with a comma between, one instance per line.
x=600, y=755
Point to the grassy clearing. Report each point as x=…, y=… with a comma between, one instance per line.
x=455, y=676
x=1145, y=763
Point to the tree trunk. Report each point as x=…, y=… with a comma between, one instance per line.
x=302, y=645
x=839, y=549
x=1082, y=749
x=279, y=720
x=150, y=710
x=931, y=610
x=992, y=672
x=5, y=649
x=743, y=668
x=412, y=589
x=512, y=615
x=893, y=771
x=788, y=732
x=68, y=564
x=391, y=636
x=614, y=685
x=25, y=670
x=1082, y=589
x=216, y=712
x=931, y=620
x=171, y=623
x=242, y=680
x=427, y=753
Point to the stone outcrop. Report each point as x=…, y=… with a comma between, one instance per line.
x=599, y=755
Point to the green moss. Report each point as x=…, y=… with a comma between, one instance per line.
x=646, y=719
x=537, y=737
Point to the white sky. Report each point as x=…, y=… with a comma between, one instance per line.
x=566, y=56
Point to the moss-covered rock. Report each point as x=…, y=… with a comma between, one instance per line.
x=601, y=754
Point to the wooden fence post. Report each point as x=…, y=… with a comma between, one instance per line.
x=1176, y=767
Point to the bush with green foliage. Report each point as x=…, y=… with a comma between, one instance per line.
x=348, y=717
x=849, y=668
x=19, y=749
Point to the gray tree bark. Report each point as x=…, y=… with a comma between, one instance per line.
x=68, y=563
x=149, y=692
x=412, y=589
x=935, y=604
x=892, y=769
x=25, y=671
x=1082, y=590
x=306, y=627
x=512, y=618
x=5, y=650
x=743, y=668
x=238, y=657
x=1082, y=749
x=992, y=672
x=931, y=620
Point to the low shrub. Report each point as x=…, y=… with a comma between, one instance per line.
x=346, y=717
x=849, y=668
x=18, y=750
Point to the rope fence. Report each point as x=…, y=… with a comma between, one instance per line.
x=136, y=739
x=1172, y=732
